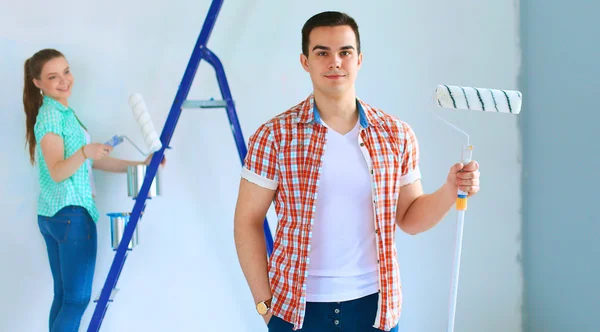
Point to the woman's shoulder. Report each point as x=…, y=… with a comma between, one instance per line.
x=48, y=113
x=51, y=107
x=49, y=119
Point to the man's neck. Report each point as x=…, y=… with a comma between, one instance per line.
x=339, y=112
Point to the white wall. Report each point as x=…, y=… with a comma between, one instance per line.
x=185, y=275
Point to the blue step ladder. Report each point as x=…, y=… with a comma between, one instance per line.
x=200, y=52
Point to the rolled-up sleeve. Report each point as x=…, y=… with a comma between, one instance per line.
x=410, y=171
x=260, y=165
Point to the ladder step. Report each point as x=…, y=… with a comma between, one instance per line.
x=111, y=297
x=204, y=104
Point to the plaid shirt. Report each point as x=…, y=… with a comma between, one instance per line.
x=286, y=154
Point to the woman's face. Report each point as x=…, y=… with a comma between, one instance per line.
x=56, y=80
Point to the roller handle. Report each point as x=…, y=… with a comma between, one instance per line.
x=461, y=199
x=461, y=206
x=114, y=141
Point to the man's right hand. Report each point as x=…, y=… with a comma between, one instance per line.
x=267, y=317
x=250, y=211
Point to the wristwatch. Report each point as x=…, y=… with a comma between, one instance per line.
x=263, y=307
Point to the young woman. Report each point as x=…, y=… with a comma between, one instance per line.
x=67, y=212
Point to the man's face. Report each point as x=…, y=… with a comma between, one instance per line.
x=333, y=60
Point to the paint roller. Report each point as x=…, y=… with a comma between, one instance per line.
x=144, y=122
x=479, y=99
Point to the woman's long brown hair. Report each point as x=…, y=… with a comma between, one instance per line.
x=32, y=97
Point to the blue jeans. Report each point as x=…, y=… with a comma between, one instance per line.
x=349, y=316
x=70, y=237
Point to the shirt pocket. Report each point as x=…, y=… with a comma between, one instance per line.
x=387, y=161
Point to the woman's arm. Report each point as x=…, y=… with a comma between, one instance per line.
x=53, y=152
x=60, y=168
x=114, y=165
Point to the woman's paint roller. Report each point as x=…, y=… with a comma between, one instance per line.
x=470, y=98
x=144, y=122
x=142, y=117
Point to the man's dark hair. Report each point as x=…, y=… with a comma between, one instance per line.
x=328, y=19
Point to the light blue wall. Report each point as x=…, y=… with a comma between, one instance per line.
x=561, y=117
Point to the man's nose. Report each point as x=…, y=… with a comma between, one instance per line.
x=336, y=62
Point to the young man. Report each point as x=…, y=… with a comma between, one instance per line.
x=343, y=175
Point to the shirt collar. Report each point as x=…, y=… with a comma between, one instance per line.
x=53, y=102
x=368, y=116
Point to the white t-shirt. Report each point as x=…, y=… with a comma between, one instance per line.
x=343, y=254
x=88, y=163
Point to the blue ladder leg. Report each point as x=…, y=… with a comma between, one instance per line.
x=214, y=61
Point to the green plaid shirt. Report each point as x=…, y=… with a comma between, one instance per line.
x=53, y=117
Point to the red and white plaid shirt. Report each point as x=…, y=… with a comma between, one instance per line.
x=286, y=154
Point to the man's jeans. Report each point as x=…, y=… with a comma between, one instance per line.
x=349, y=316
x=70, y=237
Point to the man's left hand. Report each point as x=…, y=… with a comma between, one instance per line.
x=465, y=177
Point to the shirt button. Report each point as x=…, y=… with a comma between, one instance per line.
x=336, y=322
x=362, y=144
x=337, y=311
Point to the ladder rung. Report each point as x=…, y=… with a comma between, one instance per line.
x=204, y=104
x=111, y=297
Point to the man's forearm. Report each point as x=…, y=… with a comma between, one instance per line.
x=252, y=254
x=428, y=210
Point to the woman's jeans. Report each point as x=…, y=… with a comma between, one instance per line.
x=349, y=316
x=70, y=237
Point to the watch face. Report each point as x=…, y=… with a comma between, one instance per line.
x=262, y=308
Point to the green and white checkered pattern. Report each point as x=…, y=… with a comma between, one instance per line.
x=55, y=118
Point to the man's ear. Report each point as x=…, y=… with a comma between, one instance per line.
x=304, y=61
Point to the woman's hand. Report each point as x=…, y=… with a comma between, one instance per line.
x=96, y=151
x=162, y=163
